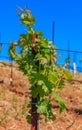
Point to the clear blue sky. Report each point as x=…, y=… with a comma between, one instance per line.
x=67, y=15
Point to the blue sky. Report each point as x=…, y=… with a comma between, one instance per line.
x=67, y=15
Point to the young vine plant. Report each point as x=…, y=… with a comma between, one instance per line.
x=36, y=57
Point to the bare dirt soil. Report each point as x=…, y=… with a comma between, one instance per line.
x=14, y=98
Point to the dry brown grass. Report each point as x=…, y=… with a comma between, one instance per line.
x=14, y=100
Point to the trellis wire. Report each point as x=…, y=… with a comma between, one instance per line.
x=61, y=52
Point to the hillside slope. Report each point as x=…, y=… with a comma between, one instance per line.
x=14, y=99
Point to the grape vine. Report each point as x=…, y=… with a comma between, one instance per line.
x=36, y=57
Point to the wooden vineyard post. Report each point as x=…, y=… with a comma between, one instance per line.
x=11, y=75
x=34, y=115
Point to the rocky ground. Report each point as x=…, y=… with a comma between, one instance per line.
x=14, y=98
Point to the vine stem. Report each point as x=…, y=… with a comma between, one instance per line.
x=35, y=116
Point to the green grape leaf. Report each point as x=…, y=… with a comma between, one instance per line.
x=61, y=102
x=53, y=77
x=67, y=75
x=44, y=107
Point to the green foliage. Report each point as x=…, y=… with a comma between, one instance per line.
x=68, y=75
x=27, y=19
x=67, y=60
x=36, y=57
x=44, y=107
x=60, y=101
